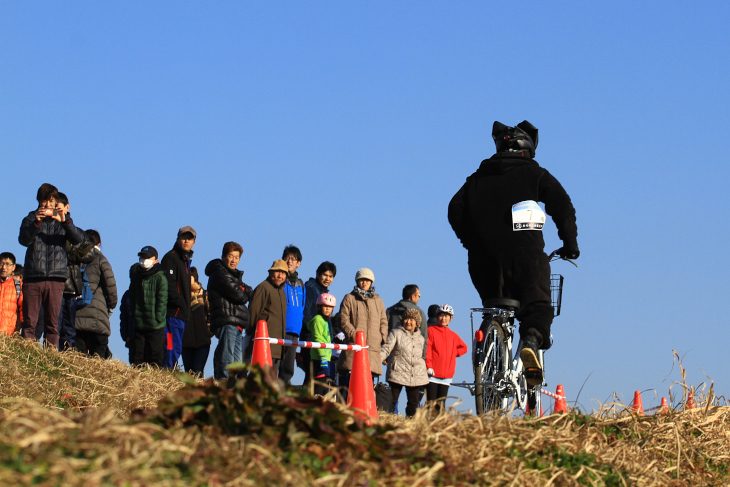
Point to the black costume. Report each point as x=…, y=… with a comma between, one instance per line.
x=504, y=261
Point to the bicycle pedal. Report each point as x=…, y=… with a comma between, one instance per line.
x=533, y=375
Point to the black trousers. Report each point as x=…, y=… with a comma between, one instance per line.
x=524, y=277
x=148, y=347
x=436, y=391
x=93, y=344
x=413, y=395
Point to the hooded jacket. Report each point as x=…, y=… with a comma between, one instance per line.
x=94, y=318
x=296, y=296
x=11, y=306
x=176, y=265
x=147, y=297
x=269, y=304
x=481, y=211
x=405, y=349
x=77, y=254
x=228, y=296
x=360, y=313
x=444, y=346
x=45, y=258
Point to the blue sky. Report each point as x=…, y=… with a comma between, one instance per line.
x=345, y=129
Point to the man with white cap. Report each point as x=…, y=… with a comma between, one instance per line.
x=176, y=265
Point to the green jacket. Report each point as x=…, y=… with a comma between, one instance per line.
x=147, y=297
x=320, y=330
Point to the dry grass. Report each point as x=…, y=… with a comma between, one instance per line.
x=69, y=380
x=41, y=445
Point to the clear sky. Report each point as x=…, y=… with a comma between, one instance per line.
x=346, y=128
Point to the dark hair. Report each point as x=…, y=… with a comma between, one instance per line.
x=409, y=291
x=46, y=192
x=327, y=266
x=8, y=255
x=433, y=310
x=229, y=247
x=292, y=250
x=94, y=236
x=18, y=270
x=194, y=273
x=62, y=198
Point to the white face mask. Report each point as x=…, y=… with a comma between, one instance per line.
x=146, y=263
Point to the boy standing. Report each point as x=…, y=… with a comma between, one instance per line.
x=148, y=309
x=11, y=295
x=295, y=298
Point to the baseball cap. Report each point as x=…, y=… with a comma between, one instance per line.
x=149, y=251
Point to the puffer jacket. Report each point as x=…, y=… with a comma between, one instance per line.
x=196, y=333
x=312, y=290
x=228, y=296
x=407, y=366
x=176, y=264
x=94, y=318
x=269, y=304
x=45, y=258
x=147, y=298
x=395, y=318
x=11, y=306
x=358, y=313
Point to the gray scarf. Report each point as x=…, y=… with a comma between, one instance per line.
x=365, y=294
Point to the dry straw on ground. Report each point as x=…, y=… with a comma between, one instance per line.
x=69, y=380
x=45, y=446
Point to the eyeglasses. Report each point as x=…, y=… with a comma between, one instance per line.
x=6, y=264
x=291, y=258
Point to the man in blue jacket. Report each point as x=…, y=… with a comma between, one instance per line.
x=295, y=299
x=45, y=232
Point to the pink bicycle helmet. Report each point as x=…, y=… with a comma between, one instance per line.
x=326, y=299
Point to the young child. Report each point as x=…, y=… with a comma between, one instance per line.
x=319, y=327
x=148, y=309
x=443, y=347
x=407, y=368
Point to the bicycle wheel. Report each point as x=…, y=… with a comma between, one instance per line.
x=492, y=371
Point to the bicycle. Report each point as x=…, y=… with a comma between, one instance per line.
x=498, y=374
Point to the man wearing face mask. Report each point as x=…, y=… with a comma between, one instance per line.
x=148, y=309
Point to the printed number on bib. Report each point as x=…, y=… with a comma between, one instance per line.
x=527, y=215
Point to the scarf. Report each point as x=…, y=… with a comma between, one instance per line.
x=364, y=294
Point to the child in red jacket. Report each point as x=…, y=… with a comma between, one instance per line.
x=443, y=347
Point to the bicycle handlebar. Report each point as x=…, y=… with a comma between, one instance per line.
x=554, y=256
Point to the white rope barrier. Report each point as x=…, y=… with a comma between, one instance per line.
x=296, y=343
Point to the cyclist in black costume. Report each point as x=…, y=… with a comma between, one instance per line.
x=496, y=217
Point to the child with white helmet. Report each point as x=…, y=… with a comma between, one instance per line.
x=319, y=327
x=444, y=346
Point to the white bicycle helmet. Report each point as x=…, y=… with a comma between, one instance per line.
x=445, y=308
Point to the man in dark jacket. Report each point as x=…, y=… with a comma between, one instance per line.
x=315, y=286
x=269, y=304
x=45, y=232
x=496, y=216
x=228, y=296
x=411, y=296
x=79, y=254
x=92, y=321
x=176, y=264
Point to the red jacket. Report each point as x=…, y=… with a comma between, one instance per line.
x=443, y=347
x=11, y=306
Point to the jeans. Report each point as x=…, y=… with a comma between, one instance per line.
x=194, y=359
x=175, y=328
x=229, y=350
x=67, y=323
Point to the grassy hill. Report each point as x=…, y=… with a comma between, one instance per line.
x=68, y=420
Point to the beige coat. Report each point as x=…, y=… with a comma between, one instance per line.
x=407, y=366
x=358, y=313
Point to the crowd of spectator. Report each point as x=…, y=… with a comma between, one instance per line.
x=65, y=292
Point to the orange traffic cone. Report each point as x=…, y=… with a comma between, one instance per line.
x=664, y=408
x=261, y=348
x=690, y=401
x=561, y=406
x=638, y=407
x=362, y=394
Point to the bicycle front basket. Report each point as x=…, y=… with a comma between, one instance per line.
x=556, y=292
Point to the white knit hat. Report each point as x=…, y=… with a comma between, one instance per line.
x=365, y=273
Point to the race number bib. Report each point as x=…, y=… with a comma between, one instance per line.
x=527, y=215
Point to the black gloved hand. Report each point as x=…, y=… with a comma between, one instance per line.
x=569, y=251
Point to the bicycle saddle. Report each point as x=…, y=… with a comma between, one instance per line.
x=502, y=303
